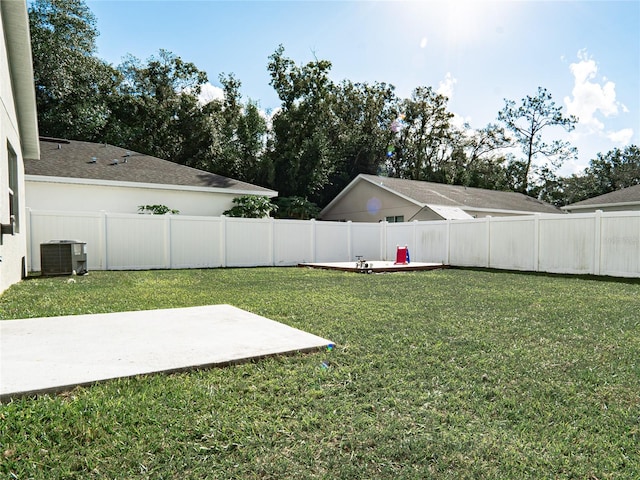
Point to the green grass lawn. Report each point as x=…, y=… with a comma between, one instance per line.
x=442, y=374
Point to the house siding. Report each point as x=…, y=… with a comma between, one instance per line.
x=78, y=197
x=13, y=248
x=366, y=202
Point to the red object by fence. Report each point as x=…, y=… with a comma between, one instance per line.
x=402, y=256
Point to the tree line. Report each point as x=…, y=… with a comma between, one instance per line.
x=323, y=134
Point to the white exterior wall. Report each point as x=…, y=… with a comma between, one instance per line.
x=367, y=203
x=94, y=196
x=13, y=248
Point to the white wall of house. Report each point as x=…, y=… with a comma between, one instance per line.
x=367, y=203
x=73, y=195
x=13, y=247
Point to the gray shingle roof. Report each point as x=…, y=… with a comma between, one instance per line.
x=73, y=159
x=428, y=193
x=625, y=195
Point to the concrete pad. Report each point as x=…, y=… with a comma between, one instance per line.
x=57, y=353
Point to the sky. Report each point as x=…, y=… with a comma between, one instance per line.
x=478, y=53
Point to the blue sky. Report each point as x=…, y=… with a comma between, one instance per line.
x=586, y=53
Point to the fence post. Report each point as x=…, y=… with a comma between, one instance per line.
x=167, y=241
x=272, y=243
x=383, y=240
x=448, y=243
x=415, y=240
x=536, y=243
x=223, y=240
x=104, y=259
x=312, y=240
x=349, y=241
x=597, y=242
x=488, y=238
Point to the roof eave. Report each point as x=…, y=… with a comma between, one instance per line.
x=16, y=27
x=600, y=205
x=163, y=186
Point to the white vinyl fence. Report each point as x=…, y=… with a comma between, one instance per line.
x=594, y=243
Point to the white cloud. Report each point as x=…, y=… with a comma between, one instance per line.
x=590, y=99
x=423, y=42
x=445, y=87
x=209, y=93
x=623, y=137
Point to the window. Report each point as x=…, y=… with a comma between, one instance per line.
x=396, y=219
x=14, y=193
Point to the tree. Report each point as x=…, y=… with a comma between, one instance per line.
x=300, y=144
x=72, y=85
x=296, y=207
x=424, y=144
x=242, y=135
x=606, y=173
x=157, y=110
x=361, y=133
x=616, y=169
x=251, y=206
x=527, y=122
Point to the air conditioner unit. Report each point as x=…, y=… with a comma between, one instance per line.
x=63, y=257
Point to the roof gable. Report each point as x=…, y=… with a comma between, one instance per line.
x=100, y=161
x=429, y=193
x=629, y=195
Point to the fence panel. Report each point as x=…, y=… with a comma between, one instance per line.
x=431, y=243
x=85, y=227
x=366, y=240
x=332, y=242
x=566, y=244
x=469, y=243
x=620, y=244
x=196, y=242
x=248, y=242
x=600, y=243
x=513, y=243
x=400, y=235
x=293, y=242
x=136, y=242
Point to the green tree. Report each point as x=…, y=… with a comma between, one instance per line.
x=72, y=85
x=157, y=111
x=478, y=157
x=251, y=206
x=614, y=170
x=424, y=146
x=362, y=131
x=242, y=132
x=300, y=144
x=527, y=122
x=296, y=207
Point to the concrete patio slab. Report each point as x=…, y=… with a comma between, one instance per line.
x=52, y=354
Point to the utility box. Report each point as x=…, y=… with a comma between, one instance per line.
x=63, y=257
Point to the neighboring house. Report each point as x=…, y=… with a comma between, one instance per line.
x=369, y=198
x=620, y=200
x=85, y=176
x=18, y=136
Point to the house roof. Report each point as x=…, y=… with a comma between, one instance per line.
x=625, y=196
x=429, y=194
x=15, y=25
x=75, y=160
